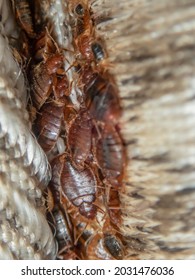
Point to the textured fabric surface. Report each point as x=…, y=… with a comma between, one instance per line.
x=24, y=169
x=151, y=48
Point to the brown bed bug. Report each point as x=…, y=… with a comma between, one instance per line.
x=81, y=11
x=23, y=16
x=114, y=246
x=113, y=240
x=43, y=76
x=84, y=35
x=83, y=30
x=80, y=24
x=79, y=186
x=110, y=154
x=80, y=138
x=95, y=249
x=47, y=126
x=102, y=99
x=104, y=247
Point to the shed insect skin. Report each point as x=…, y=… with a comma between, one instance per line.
x=49, y=200
x=62, y=89
x=54, y=184
x=112, y=201
x=47, y=126
x=80, y=138
x=23, y=16
x=22, y=52
x=44, y=46
x=79, y=186
x=43, y=76
x=63, y=232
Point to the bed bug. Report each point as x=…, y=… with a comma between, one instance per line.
x=95, y=249
x=114, y=246
x=100, y=57
x=104, y=247
x=43, y=76
x=80, y=138
x=83, y=30
x=23, y=16
x=113, y=240
x=60, y=222
x=102, y=99
x=98, y=52
x=47, y=126
x=84, y=35
x=79, y=186
x=81, y=11
x=110, y=154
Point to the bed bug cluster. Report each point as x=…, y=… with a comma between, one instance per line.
x=87, y=175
